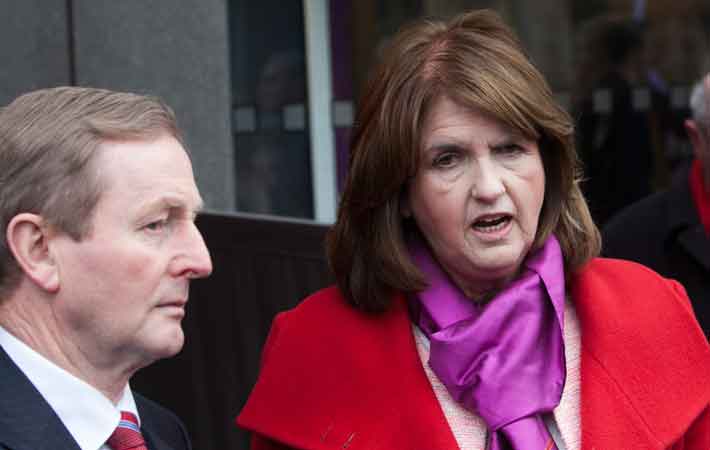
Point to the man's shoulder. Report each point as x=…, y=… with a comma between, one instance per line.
x=641, y=231
x=639, y=216
x=160, y=422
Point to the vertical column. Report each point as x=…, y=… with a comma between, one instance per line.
x=34, y=46
x=319, y=109
x=177, y=50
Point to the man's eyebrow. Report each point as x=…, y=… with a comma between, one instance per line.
x=171, y=202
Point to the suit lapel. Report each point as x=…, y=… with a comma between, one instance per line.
x=27, y=422
x=683, y=216
x=696, y=243
x=160, y=430
x=154, y=441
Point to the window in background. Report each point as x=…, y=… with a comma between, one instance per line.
x=623, y=68
x=269, y=108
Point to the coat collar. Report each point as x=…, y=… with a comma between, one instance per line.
x=364, y=387
x=28, y=422
x=644, y=360
x=333, y=378
x=153, y=441
x=685, y=224
x=161, y=432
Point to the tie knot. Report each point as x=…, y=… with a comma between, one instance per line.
x=127, y=435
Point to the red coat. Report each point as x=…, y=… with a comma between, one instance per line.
x=335, y=378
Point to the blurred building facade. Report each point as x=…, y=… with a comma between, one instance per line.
x=266, y=89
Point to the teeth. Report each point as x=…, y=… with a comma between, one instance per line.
x=491, y=225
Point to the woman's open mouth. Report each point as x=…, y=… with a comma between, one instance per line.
x=492, y=223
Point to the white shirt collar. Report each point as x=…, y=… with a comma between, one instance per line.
x=89, y=416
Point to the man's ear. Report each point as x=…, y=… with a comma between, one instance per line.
x=27, y=237
x=696, y=137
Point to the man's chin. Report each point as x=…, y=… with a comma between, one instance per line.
x=170, y=344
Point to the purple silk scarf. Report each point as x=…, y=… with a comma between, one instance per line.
x=503, y=360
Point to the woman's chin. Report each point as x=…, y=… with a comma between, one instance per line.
x=483, y=279
x=501, y=261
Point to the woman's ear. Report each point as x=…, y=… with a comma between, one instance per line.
x=27, y=237
x=404, y=209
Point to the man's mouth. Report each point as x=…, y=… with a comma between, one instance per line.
x=176, y=304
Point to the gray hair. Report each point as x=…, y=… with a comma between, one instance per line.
x=48, y=145
x=699, y=104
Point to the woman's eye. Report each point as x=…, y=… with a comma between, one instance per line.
x=510, y=149
x=446, y=160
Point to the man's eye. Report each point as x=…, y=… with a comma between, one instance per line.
x=157, y=225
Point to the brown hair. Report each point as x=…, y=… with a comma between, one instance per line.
x=476, y=61
x=48, y=140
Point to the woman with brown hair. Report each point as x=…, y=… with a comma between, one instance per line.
x=470, y=310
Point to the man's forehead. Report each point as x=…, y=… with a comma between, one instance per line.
x=156, y=172
x=173, y=200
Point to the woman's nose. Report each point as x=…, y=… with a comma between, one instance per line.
x=486, y=184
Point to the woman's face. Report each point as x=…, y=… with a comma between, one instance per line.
x=477, y=196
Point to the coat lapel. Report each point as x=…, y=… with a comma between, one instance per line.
x=364, y=387
x=644, y=361
x=154, y=441
x=161, y=430
x=683, y=216
x=696, y=243
x=27, y=422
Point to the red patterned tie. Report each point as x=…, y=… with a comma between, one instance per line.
x=127, y=435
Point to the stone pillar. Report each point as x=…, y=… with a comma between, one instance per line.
x=34, y=45
x=177, y=50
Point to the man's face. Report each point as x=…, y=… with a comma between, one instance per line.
x=702, y=150
x=703, y=153
x=699, y=135
x=124, y=286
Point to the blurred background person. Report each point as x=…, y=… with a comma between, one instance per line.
x=470, y=310
x=614, y=136
x=670, y=231
x=273, y=162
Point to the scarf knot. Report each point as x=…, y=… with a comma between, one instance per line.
x=503, y=361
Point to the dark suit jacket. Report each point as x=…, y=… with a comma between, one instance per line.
x=664, y=232
x=27, y=422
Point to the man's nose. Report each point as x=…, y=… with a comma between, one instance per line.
x=196, y=261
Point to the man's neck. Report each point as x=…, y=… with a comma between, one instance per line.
x=36, y=329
